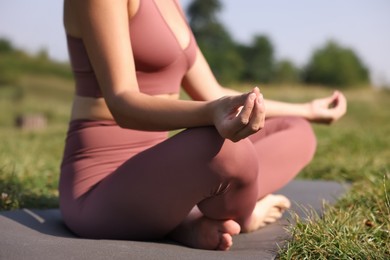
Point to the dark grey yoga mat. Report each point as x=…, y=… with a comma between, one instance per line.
x=40, y=234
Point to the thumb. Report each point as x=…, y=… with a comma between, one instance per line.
x=245, y=96
x=333, y=100
x=240, y=100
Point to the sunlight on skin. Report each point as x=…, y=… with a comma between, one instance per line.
x=267, y=210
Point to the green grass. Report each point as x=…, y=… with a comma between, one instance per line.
x=356, y=228
x=29, y=160
x=355, y=149
x=17, y=62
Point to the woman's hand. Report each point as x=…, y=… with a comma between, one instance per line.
x=237, y=117
x=329, y=109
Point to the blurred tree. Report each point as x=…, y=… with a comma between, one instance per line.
x=214, y=40
x=259, y=59
x=15, y=62
x=286, y=72
x=6, y=77
x=333, y=65
x=5, y=46
x=43, y=54
x=203, y=13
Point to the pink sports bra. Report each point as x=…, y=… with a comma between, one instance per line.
x=159, y=59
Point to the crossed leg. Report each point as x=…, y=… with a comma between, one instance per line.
x=154, y=191
x=283, y=148
x=153, y=194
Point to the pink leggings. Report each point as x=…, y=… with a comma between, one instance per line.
x=125, y=184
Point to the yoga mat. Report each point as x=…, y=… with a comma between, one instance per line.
x=40, y=234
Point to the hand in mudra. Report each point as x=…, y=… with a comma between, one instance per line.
x=328, y=110
x=237, y=117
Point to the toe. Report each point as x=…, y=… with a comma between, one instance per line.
x=231, y=227
x=282, y=202
x=226, y=242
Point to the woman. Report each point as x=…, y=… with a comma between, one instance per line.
x=123, y=178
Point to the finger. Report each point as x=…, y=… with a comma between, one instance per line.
x=256, y=121
x=336, y=108
x=256, y=90
x=243, y=117
x=342, y=101
x=239, y=100
x=240, y=108
x=341, y=106
x=333, y=100
x=328, y=102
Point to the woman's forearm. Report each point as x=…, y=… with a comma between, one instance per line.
x=234, y=117
x=277, y=108
x=143, y=112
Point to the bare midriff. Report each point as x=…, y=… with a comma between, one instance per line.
x=96, y=108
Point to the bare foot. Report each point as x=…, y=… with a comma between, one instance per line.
x=267, y=210
x=204, y=233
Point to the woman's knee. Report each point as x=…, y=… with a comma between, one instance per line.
x=305, y=133
x=226, y=159
x=236, y=168
x=236, y=162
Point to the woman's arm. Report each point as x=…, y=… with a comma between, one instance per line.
x=105, y=32
x=201, y=84
x=323, y=110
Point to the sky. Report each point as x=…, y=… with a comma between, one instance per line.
x=295, y=28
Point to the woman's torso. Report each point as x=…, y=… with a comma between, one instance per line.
x=161, y=24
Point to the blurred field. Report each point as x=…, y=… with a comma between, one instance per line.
x=29, y=160
x=356, y=150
